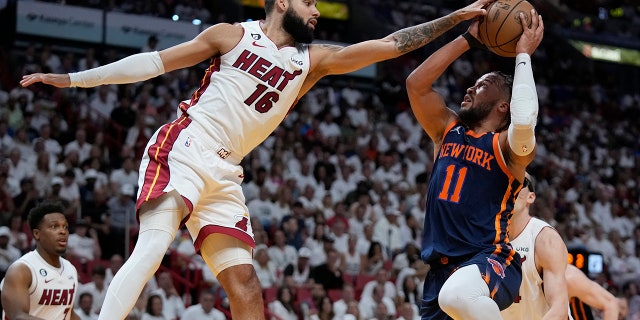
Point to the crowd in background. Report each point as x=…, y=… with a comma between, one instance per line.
x=336, y=193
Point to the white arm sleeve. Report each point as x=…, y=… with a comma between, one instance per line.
x=134, y=68
x=524, y=108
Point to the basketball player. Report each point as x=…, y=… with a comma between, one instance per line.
x=42, y=284
x=543, y=255
x=190, y=170
x=481, y=154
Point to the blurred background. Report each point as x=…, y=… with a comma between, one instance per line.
x=349, y=154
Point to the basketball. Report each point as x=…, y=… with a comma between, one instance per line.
x=500, y=29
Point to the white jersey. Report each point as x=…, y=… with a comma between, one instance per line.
x=531, y=303
x=53, y=290
x=247, y=92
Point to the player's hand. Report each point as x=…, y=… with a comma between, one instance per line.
x=532, y=35
x=473, y=10
x=54, y=79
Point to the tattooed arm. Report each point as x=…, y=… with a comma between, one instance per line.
x=331, y=59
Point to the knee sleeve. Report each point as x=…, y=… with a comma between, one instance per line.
x=128, y=283
x=164, y=213
x=465, y=295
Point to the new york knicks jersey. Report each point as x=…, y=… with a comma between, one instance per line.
x=53, y=290
x=247, y=92
x=470, y=196
x=531, y=303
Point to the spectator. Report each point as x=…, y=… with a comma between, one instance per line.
x=374, y=260
x=19, y=238
x=115, y=263
x=325, y=309
x=266, y=269
x=283, y=307
x=85, y=303
x=296, y=274
x=368, y=306
x=83, y=244
x=172, y=305
x=70, y=191
x=26, y=199
x=281, y=253
x=122, y=210
x=329, y=274
x=382, y=279
x=204, y=310
x=96, y=287
x=154, y=309
x=387, y=232
x=126, y=175
x=79, y=145
x=8, y=253
x=263, y=209
x=341, y=306
x=43, y=174
x=352, y=258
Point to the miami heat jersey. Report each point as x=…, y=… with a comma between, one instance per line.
x=247, y=92
x=53, y=290
x=531, y=303
x=470, y=196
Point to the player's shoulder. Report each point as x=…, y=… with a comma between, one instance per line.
x=225, y=28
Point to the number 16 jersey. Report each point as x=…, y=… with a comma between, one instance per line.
x=247, y=92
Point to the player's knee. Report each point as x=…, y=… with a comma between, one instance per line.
x=450, y=298
x=241, y=283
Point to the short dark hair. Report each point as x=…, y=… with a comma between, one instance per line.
x=37, y=214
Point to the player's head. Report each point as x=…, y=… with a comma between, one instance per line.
x=491, y=92
x=299, y=17
x=49, y=227
x=526, y=196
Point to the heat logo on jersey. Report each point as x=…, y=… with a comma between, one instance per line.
x=243, y=221
x=264, y=70
x=468, y=153
x=56, y=297
x=497, y=267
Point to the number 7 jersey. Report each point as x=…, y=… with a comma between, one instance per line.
x=470, y=196
x=247, y=92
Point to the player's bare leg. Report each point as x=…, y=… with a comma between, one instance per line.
x=239, y=280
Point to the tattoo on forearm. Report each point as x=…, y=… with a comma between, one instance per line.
x=411, y=38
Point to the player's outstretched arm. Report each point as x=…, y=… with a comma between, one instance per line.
x=339, y=60
x=144, y=66
x=551, y=255
x=591, y=293
x=15, y=292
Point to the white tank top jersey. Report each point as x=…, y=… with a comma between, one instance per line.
x=247, y=92
x=531, y=303
x=53, y=290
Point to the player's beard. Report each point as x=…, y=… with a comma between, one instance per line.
x=473, y=115
x=296, y=27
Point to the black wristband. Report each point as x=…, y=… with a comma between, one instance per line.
x=472, y=41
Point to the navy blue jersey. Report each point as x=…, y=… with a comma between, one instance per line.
x=470, y=196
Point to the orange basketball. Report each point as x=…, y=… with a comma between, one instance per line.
x=500, y=29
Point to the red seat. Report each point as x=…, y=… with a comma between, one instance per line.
x=361, y=281
x=334, y=294
x=303, y=294
x=270, y=294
